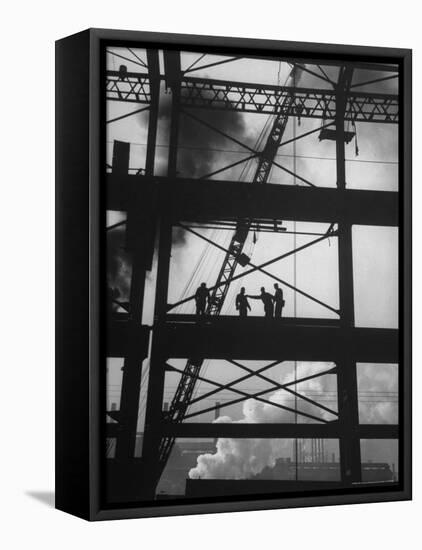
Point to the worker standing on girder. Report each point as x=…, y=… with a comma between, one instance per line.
x=242, y=304
x=202, y=297
x=278, y=300
x=267, y=300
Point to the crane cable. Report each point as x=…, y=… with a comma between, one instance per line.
x=205, y=256
x=258, y=145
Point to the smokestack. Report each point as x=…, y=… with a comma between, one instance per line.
x=217, y=410
x=216, y=415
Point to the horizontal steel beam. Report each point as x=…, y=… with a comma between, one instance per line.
x=218, y=488
x=125, y=337
x=128, y=87
x=182, y=318
x=331, y=430
x=260, y=338
x=185, y=199
x=257, y=338
x=252, y=97
x=307, y=102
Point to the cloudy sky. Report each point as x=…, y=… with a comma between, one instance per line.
x=315, y=270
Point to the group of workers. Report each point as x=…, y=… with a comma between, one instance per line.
x=273, y=303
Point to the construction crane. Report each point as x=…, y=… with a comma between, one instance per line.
x=234, y=257
x=341, y=105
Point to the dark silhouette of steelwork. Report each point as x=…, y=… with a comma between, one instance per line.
x=234, y=257
x=259, y=98
x=169, y=201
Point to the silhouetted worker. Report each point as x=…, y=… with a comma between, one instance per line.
x=278, y=300
x=201, y=298
x=267, y=300
x=242, y=304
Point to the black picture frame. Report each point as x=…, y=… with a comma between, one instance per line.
x=80, y=323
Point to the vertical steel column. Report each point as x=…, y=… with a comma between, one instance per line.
x=172, y=67
x=154, y=413
x=350, y=461
x=132, y=368
x=154, y=82
x=216, y=415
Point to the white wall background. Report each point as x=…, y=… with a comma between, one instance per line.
x=28, y=31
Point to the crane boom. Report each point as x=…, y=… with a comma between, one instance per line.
x=233, y=258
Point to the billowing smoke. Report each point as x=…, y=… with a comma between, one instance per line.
x=243, y=458
x=239, y=458
x=119, y=262
x=201, y=149
x=119, y=265
x=178, y=236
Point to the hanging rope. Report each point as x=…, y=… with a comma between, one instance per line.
x=356, y=139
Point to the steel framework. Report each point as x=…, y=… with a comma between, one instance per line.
x=234, y=255
x=168, y=204
x=258, y=98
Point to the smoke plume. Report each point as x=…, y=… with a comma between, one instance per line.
x=119, y=265
x=178, y=237
x=201, y=149
x=244, y=458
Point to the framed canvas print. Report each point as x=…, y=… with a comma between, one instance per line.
x=233, y=274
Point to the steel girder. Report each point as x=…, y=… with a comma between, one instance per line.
x=258, y=98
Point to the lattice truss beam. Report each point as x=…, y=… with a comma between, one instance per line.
x=246, y=97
